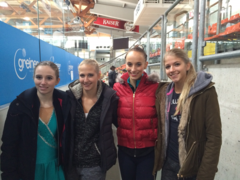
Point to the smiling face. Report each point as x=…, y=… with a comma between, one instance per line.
x=135, y=64
x=176, y=69
x=88, y=77
x=45, y=79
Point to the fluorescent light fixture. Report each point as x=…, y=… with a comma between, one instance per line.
x=41, y=28
x=3, y=4
x=26, y=18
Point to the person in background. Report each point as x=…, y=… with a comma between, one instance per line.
x=189, y=134
x=34, y=128
x=112, y=76
x=94, y=109
x=137, y=118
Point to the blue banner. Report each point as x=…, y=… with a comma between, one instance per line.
x=19, y=53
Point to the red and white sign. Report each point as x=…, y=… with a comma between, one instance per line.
x=116, y=24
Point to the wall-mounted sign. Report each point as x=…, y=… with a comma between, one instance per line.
x=20, y=54
x=116, y=24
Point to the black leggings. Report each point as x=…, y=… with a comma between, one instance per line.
x=170, y=170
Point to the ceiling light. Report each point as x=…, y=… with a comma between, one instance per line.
x=41, y=28
x=3, y=4
x=26, y=18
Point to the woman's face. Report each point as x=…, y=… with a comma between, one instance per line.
x=45, y=79
x=88, y=77
x=135, y=64
x=176, y=69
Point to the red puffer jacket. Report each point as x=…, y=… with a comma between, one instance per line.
x=137, y=118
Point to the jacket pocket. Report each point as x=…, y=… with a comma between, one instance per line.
x=97, y=149
x=191, y=163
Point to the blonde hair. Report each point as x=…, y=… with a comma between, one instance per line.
x=91, y=62
x=190, y=78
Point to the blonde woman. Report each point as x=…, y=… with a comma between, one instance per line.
x=189, y=134
x=94, y=109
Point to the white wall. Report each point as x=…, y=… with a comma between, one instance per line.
x=226, y=76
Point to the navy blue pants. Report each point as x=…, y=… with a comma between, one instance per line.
x=136, y=168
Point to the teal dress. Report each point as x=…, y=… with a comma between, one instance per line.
x=47, y=151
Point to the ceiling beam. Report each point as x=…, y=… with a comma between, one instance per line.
x=29, y=15
x=44, y=26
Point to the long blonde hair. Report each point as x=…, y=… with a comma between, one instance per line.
x=190, y=78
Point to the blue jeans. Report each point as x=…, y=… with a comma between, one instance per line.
x=170, y=170
x=136, y=168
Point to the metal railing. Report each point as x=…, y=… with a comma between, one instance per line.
x=198, y=42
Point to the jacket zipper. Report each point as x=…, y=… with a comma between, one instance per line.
x=97, y=149
x=134, y=138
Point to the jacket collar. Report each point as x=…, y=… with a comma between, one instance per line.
x=152, y=78
x=77, y=89
x=203, y=80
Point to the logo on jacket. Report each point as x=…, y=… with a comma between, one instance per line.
x=21, y=63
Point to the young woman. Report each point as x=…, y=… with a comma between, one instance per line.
x=94, y=109
x=137, y=118
x=189, y=136
x=33, y=129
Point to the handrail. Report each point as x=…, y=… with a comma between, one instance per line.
x=154, y=24
x=112, y=60
x=225, y=55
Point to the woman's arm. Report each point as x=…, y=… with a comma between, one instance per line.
x=10, y=139
x=210, y=159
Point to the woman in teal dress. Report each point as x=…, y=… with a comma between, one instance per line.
x=34, y=130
